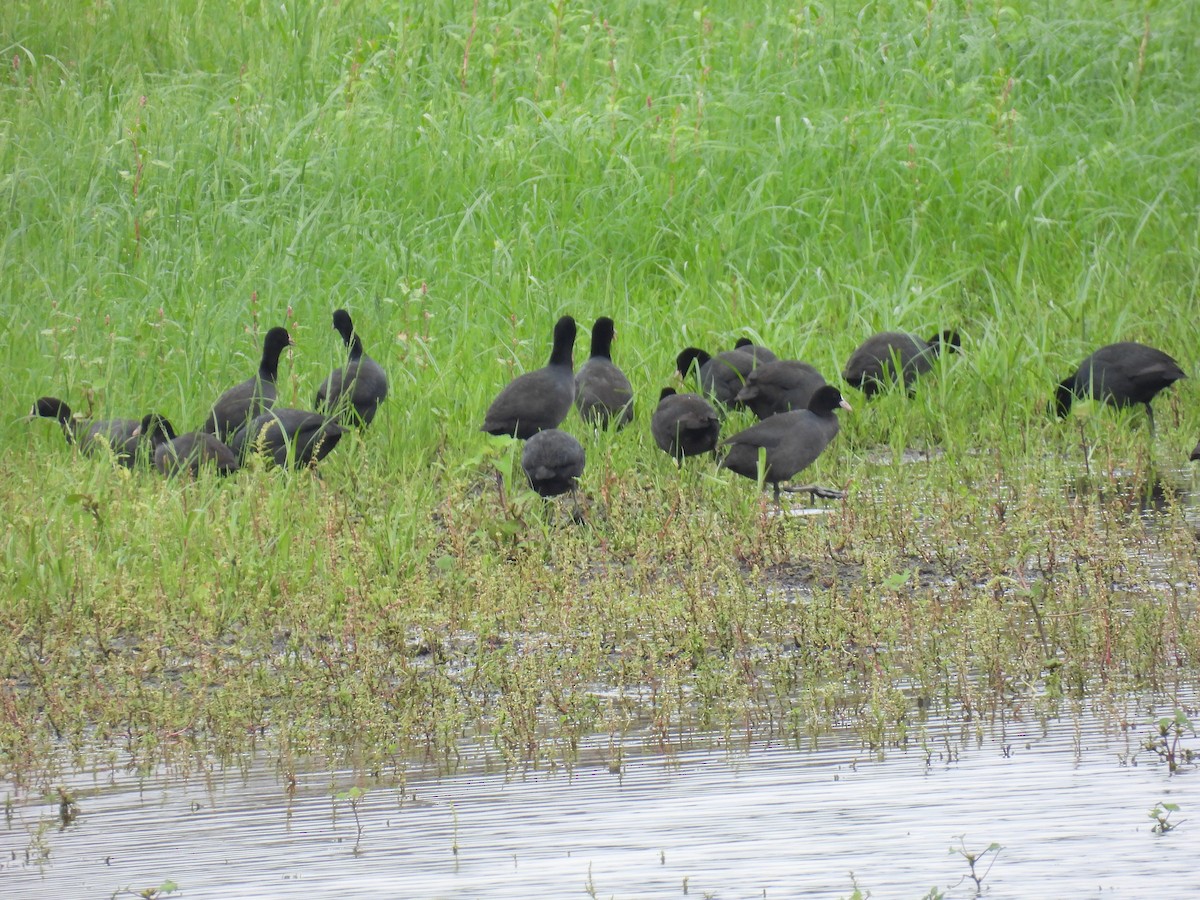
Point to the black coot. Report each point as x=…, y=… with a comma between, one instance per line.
x=1122, y=374
x=720, y=377
x=553, y=461
x=354, y=392
x=602, y=392
x=792, y=441
x=286, y=436
x=684, y=425
x=253, y=396
x=193, y=451
x=780, y=386
x=876, y=362
x=121, y=437
x=539, y=399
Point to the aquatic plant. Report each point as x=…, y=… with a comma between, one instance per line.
x=1167, y=744
x=1161, y=814
x=974, y=859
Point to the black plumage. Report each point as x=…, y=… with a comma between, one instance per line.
x=553, y=461
x=885, y=358
x=284, y=436
x=684, y=425
x=192, y=452
x=720, y=377
x=760, y=353
x=126, y=439
x=353, y=393
x=602, y=392
x=539, y=399
x=250, y=398
x=792, y=441
x=1122, y=374
x=779, y=386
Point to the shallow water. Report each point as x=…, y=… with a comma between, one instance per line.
x=1067, y=798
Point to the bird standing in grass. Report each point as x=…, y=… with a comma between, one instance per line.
x=124, y=438
x=242, y=402
x=193, y=451
x=553, y=462
x=353, y=393
x=285, y=436
x=602, y=392
x=684, y=425
x=721, y=376
x=1121, y=374
x=779, y=386
x=539, y=399
x=792, y=442
x=885, y=358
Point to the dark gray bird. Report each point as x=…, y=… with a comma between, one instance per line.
x=88, y=436
x=124, y=438
x=792, y=441
x=1195, y=453
x=760, y=353
x=553, y=461
x=1122, y=374
x=193, y=451
x=539, y=399
x=779, y=386
x=354, y=392
x=153, y=432
x=721, y=376
x=876, y=362
x=602, y=392
x=285, y=436
x=684, y=425
x=253, y=396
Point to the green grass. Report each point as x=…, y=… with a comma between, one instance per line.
x=458, y=176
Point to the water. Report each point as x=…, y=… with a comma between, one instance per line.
x=1067, y=798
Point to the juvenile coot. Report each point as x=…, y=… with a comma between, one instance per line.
x=792, y=441
x=760, y=353
x=553, y=461
x=80, y=431
x=253, y=396
x=780, y=386
x=288, y=435
x=153, y=431
x=1195, y=453
x=1122, y=374
x=121, y=437
x=602, y=392
x=875, y=363
x=721, y=376
x=353, y=393
x=539, y=399
x=193, y=451
x=684, y=425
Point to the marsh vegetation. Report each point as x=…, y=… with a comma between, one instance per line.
x=460, y=176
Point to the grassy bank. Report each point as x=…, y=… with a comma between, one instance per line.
x=176, y=183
